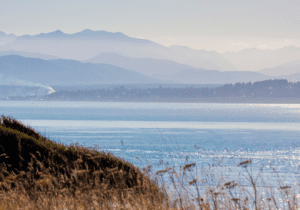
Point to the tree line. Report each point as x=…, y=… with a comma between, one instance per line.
x=279, y=88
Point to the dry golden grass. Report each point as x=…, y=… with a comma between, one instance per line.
x=182, y=190
x=37, y=173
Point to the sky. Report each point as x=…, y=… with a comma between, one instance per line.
x=220, y=25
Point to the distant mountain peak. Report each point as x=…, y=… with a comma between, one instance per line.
x=86, y=31
x=57, y=32
x=54, y=33
x=102, y=33
x=3, y=34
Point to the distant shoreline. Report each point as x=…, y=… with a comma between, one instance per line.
x=177, y=100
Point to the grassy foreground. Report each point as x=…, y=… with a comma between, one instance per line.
x=37, y=173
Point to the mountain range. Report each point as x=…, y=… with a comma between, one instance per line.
x=88, y=44
x=100, y=57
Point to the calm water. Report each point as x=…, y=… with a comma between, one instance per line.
x=207, y=133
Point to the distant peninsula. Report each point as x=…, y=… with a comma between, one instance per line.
x=268, y=91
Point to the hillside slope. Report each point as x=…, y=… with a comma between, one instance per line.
x=68, y=72
x=146, y=66
x=285, y=69
x=32, y=161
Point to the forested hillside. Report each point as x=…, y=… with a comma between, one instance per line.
x=268, y=89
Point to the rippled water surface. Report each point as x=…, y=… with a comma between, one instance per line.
x=207, y=133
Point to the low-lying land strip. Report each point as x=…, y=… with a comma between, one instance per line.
x=268, y=91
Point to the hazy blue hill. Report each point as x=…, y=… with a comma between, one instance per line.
x=68, y=72
x=285, y=69
x=256, y=59
x=28, y=55
x=213, y=77
x=142, y=65
x=211, y=56
x=179, y=73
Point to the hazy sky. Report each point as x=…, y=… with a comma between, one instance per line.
x=221, y=25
